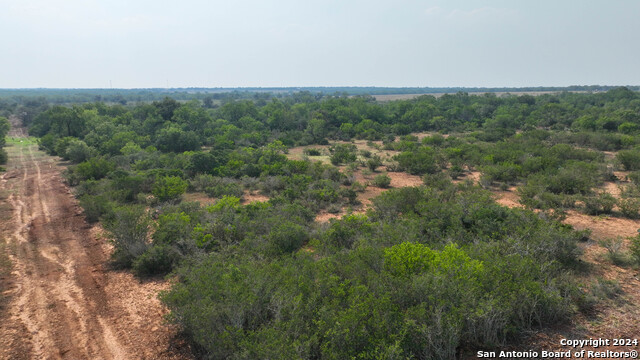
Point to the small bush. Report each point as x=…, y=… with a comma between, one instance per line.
x=350, y=194
x=374, y=162
x=312, y=152
x=128, y=227
x=343, y=153
x=47, y=143
x=596, y=205
x=382, y=181
x=630, y=208
x=157, y=260
x=95, y=206
x=455, y=171
x=634, y=249
x=287, y=237
x=421, y=162
x=634, y=177
x=437, y=180
x=94, y=168
x=608, y=202
x=169, y=188
x=605, y=289
x=614, y=251
x=222, y=189
x=629, y=159
x=504, y=172
x=358, y=187
x=393, y=167
x=365, y=153
x=203, y=181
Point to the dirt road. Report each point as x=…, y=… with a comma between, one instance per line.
x=61, y=300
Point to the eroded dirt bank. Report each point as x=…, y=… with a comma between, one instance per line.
x=61, y=300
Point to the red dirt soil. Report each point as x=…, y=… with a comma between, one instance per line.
x=62, y=301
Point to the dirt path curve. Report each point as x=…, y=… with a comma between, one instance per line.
x=63, y=301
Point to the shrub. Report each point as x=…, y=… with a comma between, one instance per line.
x=95, y=168
x=358, y=187
x=350, y=194
x=408, y=259
x=599, y=204
x=157, y=260
x=614, y=250
x=420, y=162
x=172, y=228
x=345, y=232
x=575, y=178
x=504, y=172
x=455, y=171
x=95, y=206
x=176, y=140
x=630, y=208
x=343, y=153
x=312, y=152
x=225, y=188
x=374, y=162
x=61, y=145
x=382, y=181
x=168, y=188
x=127, y=186
x=634, y=248
x=634, y=177
x=437, y=180
x=78, y=151
x=629, y=159
x=605, y=289
x=287, y=237
x=203, y=181
x=128, y=229
x=47, y=143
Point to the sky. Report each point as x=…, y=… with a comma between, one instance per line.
x=294, y=43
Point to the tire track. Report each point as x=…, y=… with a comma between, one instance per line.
x=59, y=299
x=64, y=303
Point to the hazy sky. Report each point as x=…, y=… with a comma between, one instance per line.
x=237, y=43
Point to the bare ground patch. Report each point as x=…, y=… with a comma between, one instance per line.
x=508, y=198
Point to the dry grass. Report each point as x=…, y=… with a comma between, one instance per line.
x=200, y=197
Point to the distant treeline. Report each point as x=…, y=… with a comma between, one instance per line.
x=123, y=96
